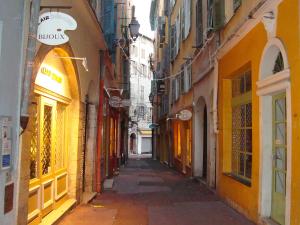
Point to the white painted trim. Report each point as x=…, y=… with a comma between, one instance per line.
x=272, y=79
x=64, y=192
x=51, y=201
x=246, y=26
x=38, y=210
x=267, y=86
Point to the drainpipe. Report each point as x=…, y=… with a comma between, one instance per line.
x=215, y=97
x=100, y=124
x=29, y=62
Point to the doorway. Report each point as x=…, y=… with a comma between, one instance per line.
x=279, y=158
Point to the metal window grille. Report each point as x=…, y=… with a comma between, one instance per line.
x=242, y=127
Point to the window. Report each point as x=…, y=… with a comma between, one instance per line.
x=242, y=127
x=279, y=64
x=199, y=24
x=236, y=4
x=210, y=7
x=177, y=88
x=173, y=90
x=187, y=76
x=182, y=83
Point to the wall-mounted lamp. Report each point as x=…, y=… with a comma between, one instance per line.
x=84, y=61
x=134, y=26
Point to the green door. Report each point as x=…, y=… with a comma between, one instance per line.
x=279, y=159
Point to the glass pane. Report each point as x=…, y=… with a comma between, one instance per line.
x=280, y=134
x=249, y=140
x=249, y=115
x=33, y=129
x=279, y=182
x=248, y=166
x=280, y=158
x=279, y=64
x=60, y=137
x=46, y=151
x=280, y=110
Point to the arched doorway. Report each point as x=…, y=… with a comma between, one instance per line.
x=133, y=144
x=275, y=123
x=49, y=137
x=200, y=140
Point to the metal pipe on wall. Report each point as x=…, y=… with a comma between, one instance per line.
x=29, y=62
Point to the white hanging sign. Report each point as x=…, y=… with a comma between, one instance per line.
x=52, y=27
x=185, y=115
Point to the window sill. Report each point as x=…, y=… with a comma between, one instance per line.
x=239, y=179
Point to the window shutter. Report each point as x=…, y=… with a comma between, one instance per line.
x=218, y=14
x=187, y=15
x=189, y=72
x=199, y=24
x=172, y=42
x=177, y=88
x=177, y=32
x=173, y=90
x=182, y=80
x=182, y=20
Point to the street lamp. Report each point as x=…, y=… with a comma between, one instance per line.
x=134, y=26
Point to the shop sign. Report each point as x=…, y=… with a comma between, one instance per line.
x=52, y=27
x=185, y=115
x=115, y=101
x=51, y=74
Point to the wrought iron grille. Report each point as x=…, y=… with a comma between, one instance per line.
x=47, y=143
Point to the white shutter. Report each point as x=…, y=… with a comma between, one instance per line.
x=177, y=88
x=187, y=19
x=182, y=20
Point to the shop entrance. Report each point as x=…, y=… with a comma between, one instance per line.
x=47, y=138
x=48, y=173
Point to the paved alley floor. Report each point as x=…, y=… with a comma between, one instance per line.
x=147, y=193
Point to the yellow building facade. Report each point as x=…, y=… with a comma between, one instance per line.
x=258, y=109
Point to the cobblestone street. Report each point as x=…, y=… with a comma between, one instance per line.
x=146, y=192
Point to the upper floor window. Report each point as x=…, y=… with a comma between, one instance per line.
x=199, y=23
x=236, y=4
x=210, y=15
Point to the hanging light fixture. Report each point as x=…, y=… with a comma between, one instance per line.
x=134, y=26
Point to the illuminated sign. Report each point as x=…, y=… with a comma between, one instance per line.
x=51, y=74
x=52, y=27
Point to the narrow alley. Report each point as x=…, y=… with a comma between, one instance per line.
x=146, y=192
